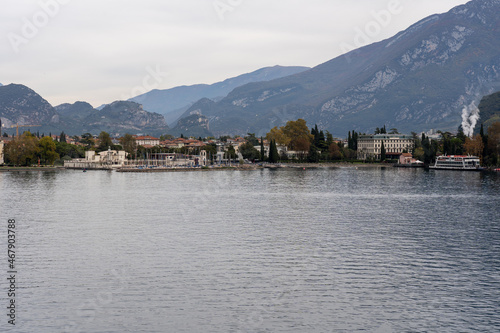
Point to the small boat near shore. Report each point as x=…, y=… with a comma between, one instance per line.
x=457, y=162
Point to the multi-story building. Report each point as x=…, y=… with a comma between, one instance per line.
x=147, y=141
x=369, y=146
x=107, y=159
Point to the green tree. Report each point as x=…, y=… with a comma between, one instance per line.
x=430, y=149
x=104, y=142
x=394, y=131
x=249, y=152
x=62, y=137
x=252, y=139
x=273, y=152
x=87, y=140
x=298, y=133
x=262, y=151
x=129, y=144
x=335, y=151
x=352, y=141
x=382, y=152
x=22, y=150
x=329, y=139
x=461, y=139
x=167, y=137
x=278, y=136
x=211, y=149
x=494, y=144
x=66, y=150
x=419, y=153
x=486, y=151
x=474, y=146
x=47, y=148
x=313, y=156
x=349, y=154
x=231, y=153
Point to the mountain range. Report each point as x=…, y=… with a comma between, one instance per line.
x=429, y=76
x=422, y=78
x=21, y=105
x=172, y=103
x=489, y=109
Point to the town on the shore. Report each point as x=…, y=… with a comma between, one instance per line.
x=294, y=142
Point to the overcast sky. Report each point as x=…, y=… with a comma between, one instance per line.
x=102, y=51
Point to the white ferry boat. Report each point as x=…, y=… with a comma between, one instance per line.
x=457, y=162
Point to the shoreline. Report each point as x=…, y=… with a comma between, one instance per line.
x=40, y=168
x=250, y=167
x=244, y=167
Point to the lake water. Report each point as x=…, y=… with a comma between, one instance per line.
x=289, y=250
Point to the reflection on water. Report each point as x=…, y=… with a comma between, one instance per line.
x=342, y=250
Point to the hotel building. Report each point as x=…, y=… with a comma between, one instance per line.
x=369, y=146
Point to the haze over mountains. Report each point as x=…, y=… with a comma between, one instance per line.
x=422, y=78
x=431, y=75
x=172, y=103
x=21, y=105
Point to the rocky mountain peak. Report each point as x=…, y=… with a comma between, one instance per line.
x=21, y=105
x=428, y=76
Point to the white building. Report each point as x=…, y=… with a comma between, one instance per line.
x=108, y=159
x=147, y=141
x=369, y=146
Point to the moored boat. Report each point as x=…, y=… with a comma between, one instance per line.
x=457, y=162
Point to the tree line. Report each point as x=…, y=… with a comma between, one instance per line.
x=309, y=144
x=485, y=145
x=30, y=149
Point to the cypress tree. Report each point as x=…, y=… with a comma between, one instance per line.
x=322, y=142
x=485, y=143
x=262, y=153
x=382, y=152
x=273, y=152
x=62, y=137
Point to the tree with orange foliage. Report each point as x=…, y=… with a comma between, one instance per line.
x=298, y=132
x=474, y=146
x=494, y=138
x=277, y=135
x=335, y=152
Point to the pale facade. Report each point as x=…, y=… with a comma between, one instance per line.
x=107, y=159
x=147, y=141
x=369, y=146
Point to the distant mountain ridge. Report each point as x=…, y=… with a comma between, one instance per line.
x=119, y=117
x=75, y=111
x=21, y=105
x=489, y=109
x=172, y=103
x=422, y=78
x=126, y=116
